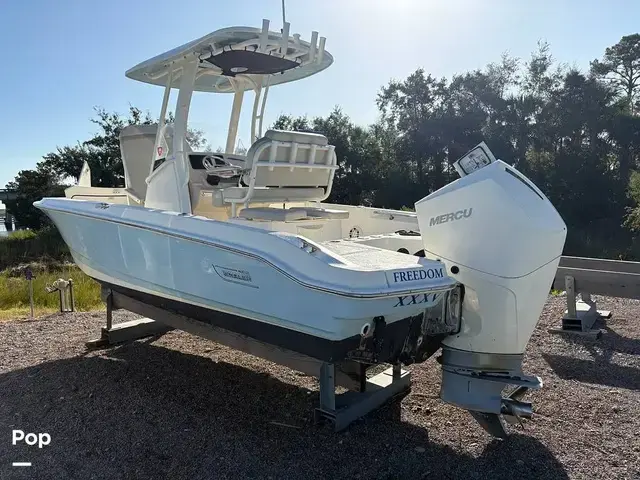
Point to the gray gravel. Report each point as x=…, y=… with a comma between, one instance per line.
x=182, y=407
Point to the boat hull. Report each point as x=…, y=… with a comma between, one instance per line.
x=389, y=347
x=202, y=280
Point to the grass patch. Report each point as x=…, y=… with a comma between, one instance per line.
x=29, y=246
x=18, y=313
x=18, y=235
x=14, y=292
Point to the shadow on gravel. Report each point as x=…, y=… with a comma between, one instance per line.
x=600, y=370
x=142, y=411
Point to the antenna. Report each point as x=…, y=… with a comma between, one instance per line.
x=283, y=16
x=239, y=146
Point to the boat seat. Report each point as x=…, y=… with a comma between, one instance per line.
x=264, y=194
x=291, y=136
x=315, y=212
x=273, y=214
x=285, y=166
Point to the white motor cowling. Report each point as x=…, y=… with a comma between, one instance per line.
x=501, y=238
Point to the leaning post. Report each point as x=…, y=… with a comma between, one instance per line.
x=29, y=276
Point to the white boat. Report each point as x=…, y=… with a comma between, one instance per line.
x=251, y=237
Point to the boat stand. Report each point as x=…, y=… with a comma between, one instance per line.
x=589, y=276
x=363, y=396
x=126, y=331
x=582, y=314
x=343, y=409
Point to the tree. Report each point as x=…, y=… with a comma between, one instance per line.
x=632, y=219
x=32, y=185
x=416, y=109
x=621, y=66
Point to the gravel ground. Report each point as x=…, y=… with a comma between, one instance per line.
x=179, y=407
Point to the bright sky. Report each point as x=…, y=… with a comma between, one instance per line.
x=62, y=58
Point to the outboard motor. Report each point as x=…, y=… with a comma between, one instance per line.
x=501, y=238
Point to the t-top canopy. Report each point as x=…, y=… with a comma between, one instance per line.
x=239, y=56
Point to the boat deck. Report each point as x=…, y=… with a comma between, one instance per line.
x=370, y=258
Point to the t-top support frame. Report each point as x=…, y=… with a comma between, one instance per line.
x=188, y=70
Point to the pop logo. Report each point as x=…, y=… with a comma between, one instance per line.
x=31, y=439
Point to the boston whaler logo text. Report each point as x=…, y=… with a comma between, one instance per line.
x=410, y=275
x=234, y=275
x=450, y=217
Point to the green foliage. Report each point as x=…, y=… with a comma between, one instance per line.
x=19, y=236
x=32, y=185
x=621, y=66
x=14, y=291
x=101, y=152
x=632, y=220
x=26, y=246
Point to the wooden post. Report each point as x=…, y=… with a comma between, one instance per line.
x=31, y=296
x=29, y=276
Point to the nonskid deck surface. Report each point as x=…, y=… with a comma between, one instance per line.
x=401, y=270
x=370, y=258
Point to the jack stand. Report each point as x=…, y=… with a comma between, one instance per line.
x=344, y=408
x=125, y=331
x=580, y=315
